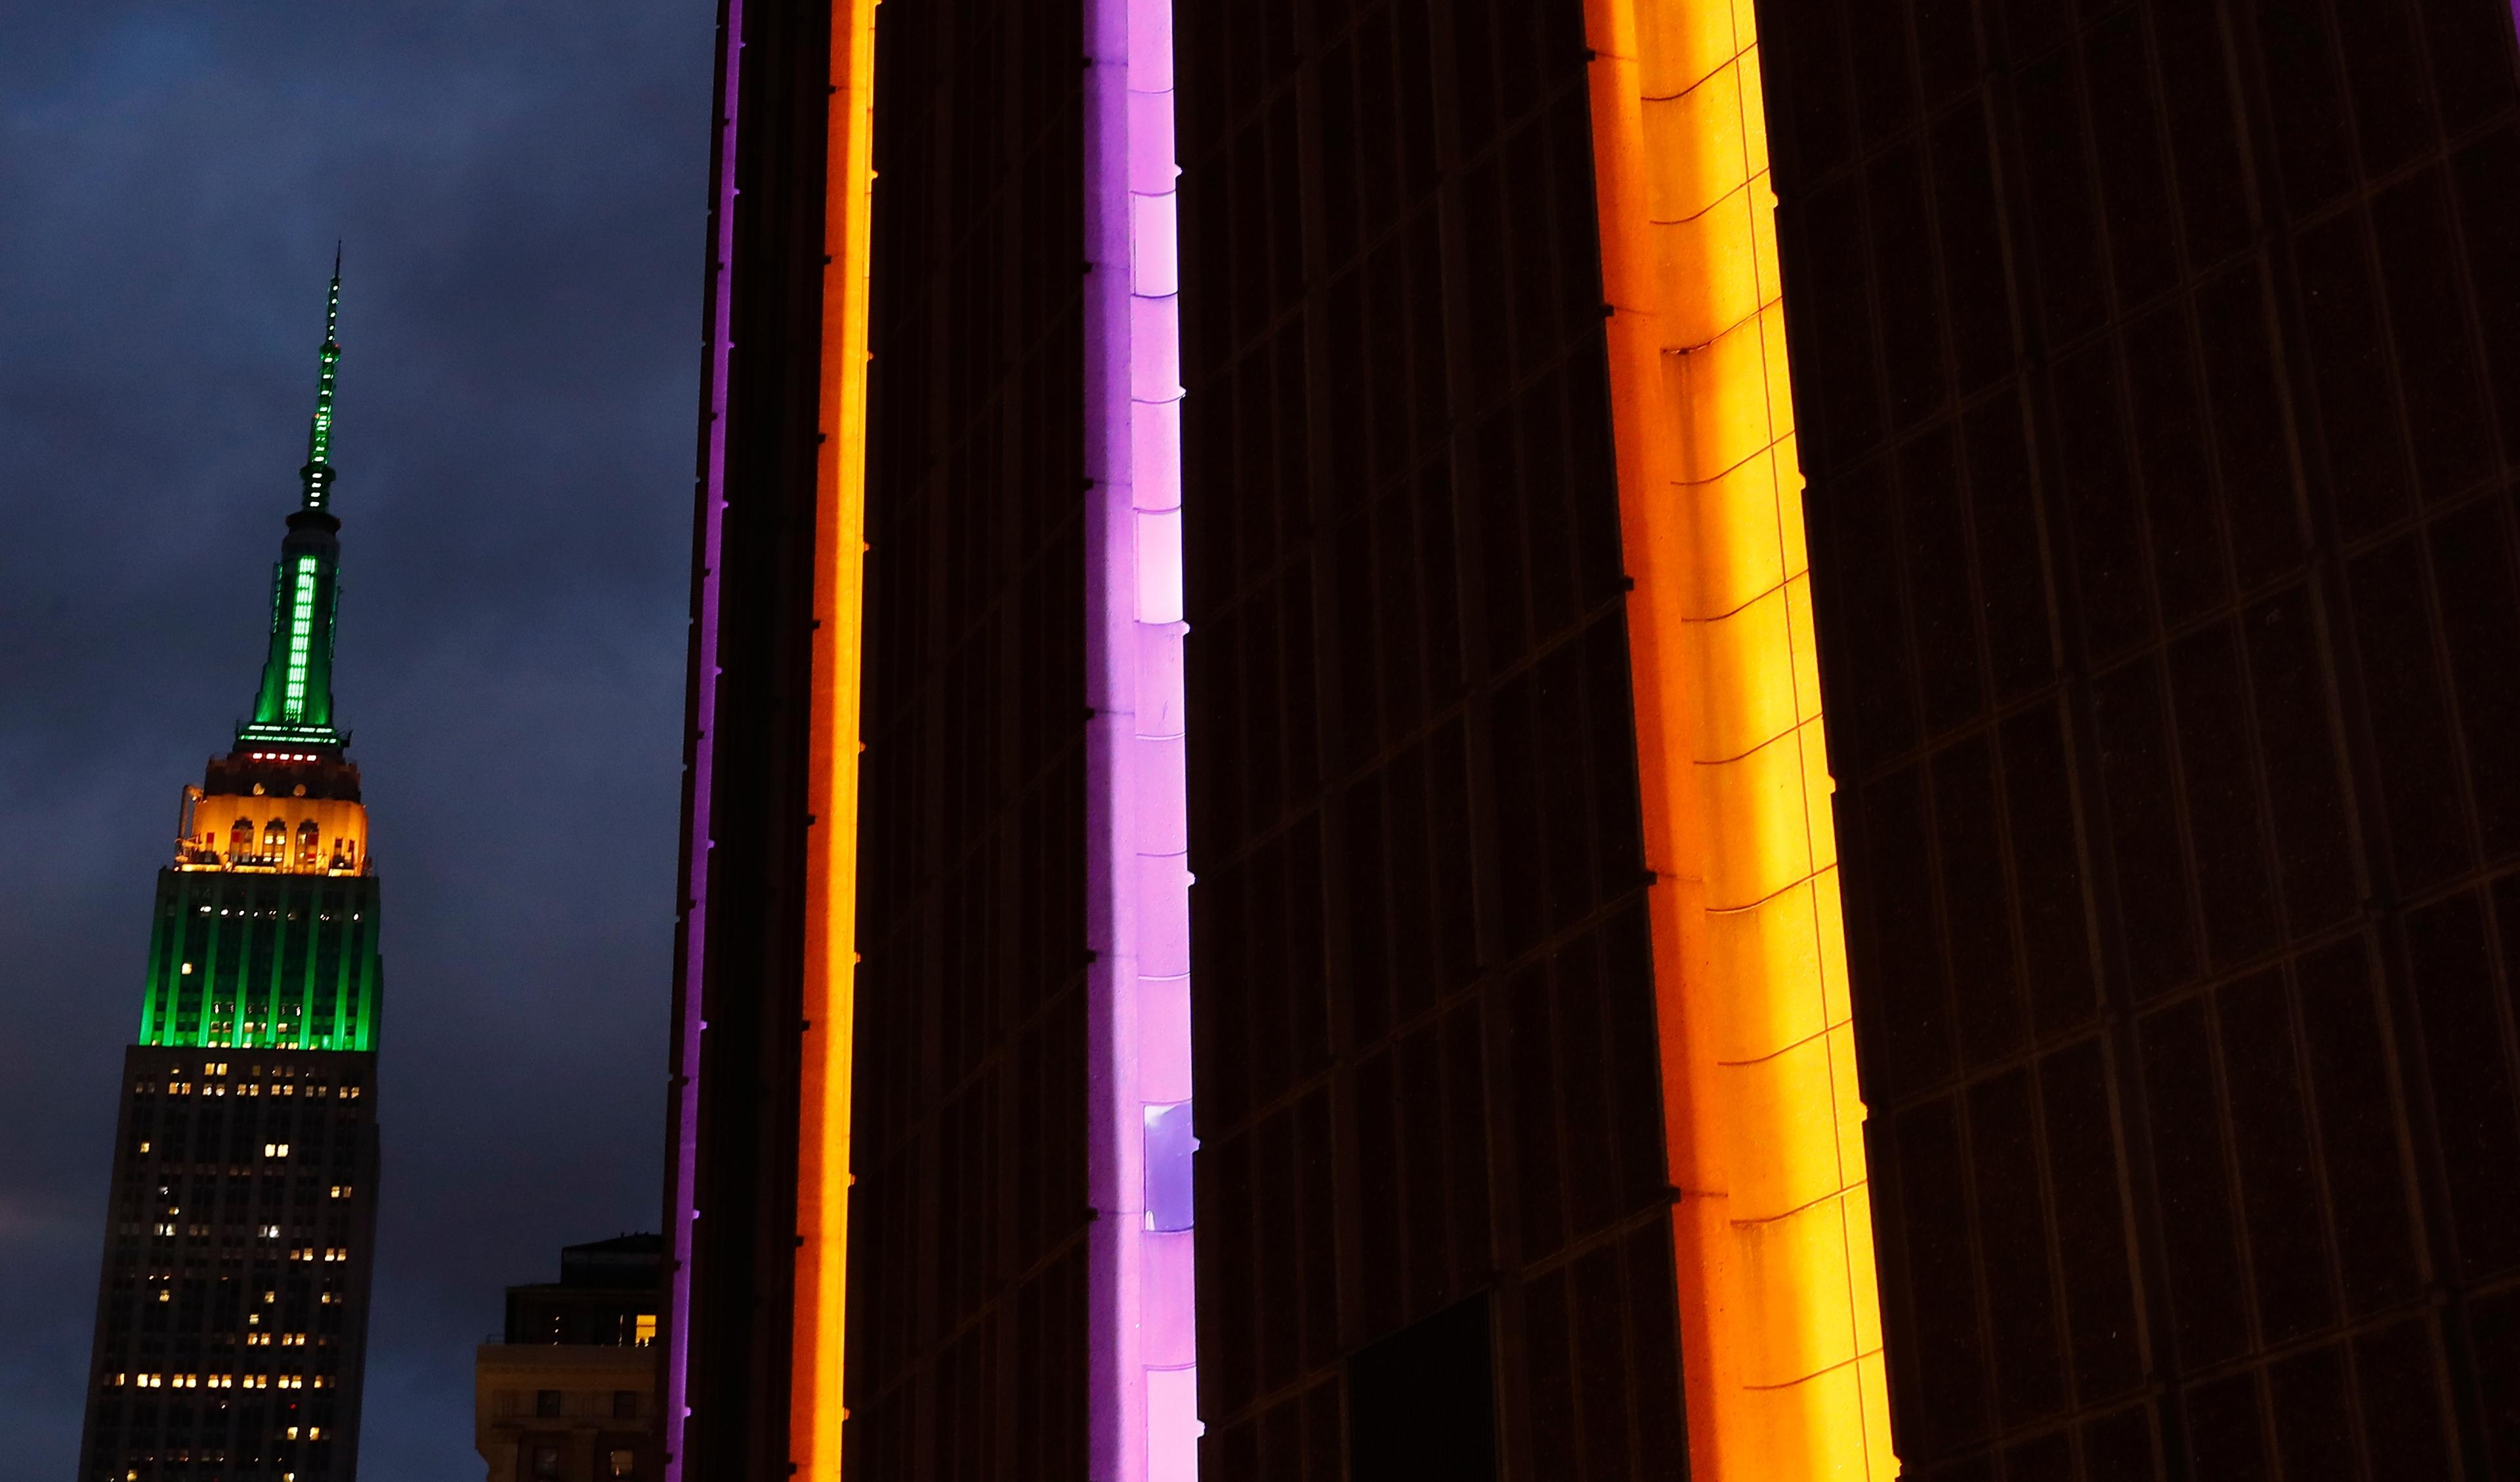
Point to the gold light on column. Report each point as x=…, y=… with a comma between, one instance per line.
x=1779, y=1311
x=815, y=1410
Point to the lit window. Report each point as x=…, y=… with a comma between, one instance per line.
x=624, y=1462
x=644, y=1330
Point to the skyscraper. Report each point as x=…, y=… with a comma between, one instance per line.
x=232, y=1308
x=1397, y=514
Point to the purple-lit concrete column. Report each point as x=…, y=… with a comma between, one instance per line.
x=1145, y=1385
x=688, y=1024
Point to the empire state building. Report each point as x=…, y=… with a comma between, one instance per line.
x=232, y=1308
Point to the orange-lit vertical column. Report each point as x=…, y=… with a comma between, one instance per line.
x=1780, y=1314
x=814, y=1413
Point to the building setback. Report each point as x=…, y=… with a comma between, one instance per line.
x=1405, y=629
x=232, y=1308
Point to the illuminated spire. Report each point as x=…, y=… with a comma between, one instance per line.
x=293, y=706
x=317, y=473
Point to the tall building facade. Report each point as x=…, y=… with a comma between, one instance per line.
x=1829, y=820
x=2159, y=415
x=232, y=1308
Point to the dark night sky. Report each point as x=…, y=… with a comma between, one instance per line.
x=522, y=187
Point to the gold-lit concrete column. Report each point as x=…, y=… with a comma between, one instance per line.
x=1780, y=1318
x=823, y=1177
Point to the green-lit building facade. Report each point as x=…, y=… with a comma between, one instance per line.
x=232, y=1305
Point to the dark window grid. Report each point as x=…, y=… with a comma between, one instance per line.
x=1442, y=719
x=1996, y=63
x=1390, y=375
x=938, y=640
x=906, y=944
x=1259, y=923
x=1947, y=1407
x=2500, y=1009
x=1252, y=48
x=1546, y=111
x=1046, y=1388
x=2431, y=163
x=2107, y=807
x=1335, y=630
x=1251, y=425
x=1416, y=1206
x=2372, y=742
x=2239, y=606
x=2287, y=947
x=985, y=835
x=1501, y=394
x=1856, y=752
x=2289, y=226
x=2259, y=1351
x=928, y=682
x=2339, y=61
x=1925, y=902
x=1476, y=704
x=1250, y=684
x=2342, y=365
x=1408, y=686
x=954, y=682
x=1425, y=1022
x=2473, y=758
x=1300, y=1436
x=1616, y=1414
x=973, y=1294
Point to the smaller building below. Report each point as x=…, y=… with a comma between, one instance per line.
x=569, y=1391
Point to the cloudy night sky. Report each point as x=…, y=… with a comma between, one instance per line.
x=521, y=187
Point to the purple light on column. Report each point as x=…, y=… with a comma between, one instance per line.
x=705, y=669
x=1144, y=1390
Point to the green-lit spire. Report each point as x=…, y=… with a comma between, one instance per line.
x=317, y=473
x=294, y=705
